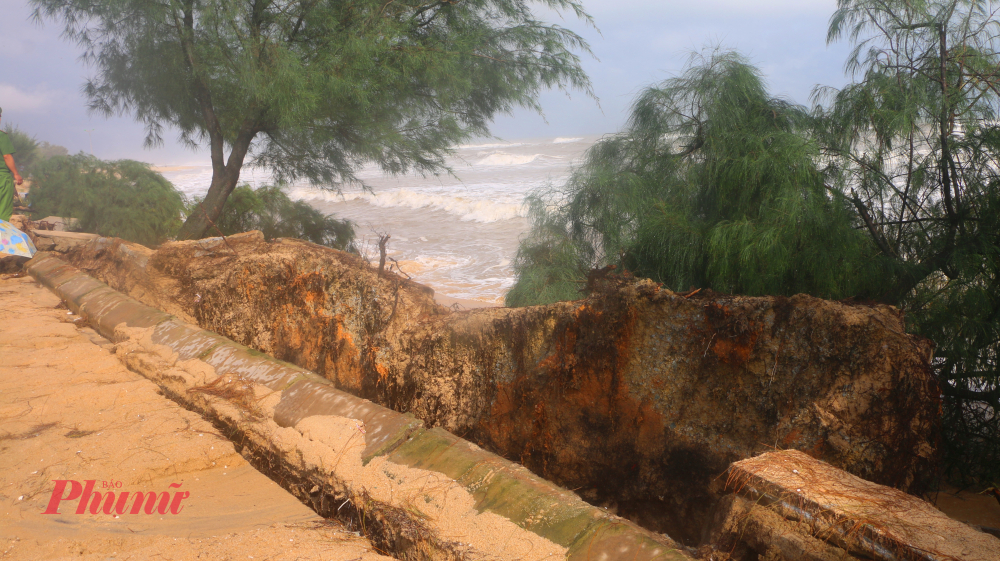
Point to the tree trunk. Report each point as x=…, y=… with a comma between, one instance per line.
x=224, y=178
x=203, y=216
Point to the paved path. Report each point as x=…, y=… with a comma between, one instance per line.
x=69, y=411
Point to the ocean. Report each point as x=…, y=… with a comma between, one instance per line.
x=457, y=234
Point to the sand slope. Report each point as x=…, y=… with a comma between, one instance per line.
x=69, y=410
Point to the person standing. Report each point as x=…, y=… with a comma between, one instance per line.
x=8, y=176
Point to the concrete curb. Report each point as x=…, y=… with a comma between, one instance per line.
x=496, y=485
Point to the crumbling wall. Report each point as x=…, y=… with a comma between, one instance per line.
x=789, y=506
x=636, y=397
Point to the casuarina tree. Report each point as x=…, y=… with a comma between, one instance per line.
x=314, y=89
x=713, y=182
x=889, y=190
x=914, y=145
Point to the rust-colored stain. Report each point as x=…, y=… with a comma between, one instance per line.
x=343, y=335
x=651, y=427
x=573, y=418
x=734, y=351
x=791, y=438
x=342, y=359
x=731, y=337
x=303, y=330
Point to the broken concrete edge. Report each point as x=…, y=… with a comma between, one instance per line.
x=743, y=528
x=496, y=484
x=59, y=241
x=863, y=518
x=83, y=236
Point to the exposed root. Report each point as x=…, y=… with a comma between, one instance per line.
x=237, y=390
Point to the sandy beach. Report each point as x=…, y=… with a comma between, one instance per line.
x=69, y=411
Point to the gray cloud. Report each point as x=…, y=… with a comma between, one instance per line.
x=640, y=42
x=19, y=100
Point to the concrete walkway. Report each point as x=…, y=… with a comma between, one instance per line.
x=70, y=412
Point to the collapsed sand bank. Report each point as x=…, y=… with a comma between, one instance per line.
x=69, y=410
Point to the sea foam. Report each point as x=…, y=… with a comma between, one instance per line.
x=477, y=209
x=507, y=159
x=458, y=233
x=489, y=146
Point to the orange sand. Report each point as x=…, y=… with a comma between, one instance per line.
x=70, y=410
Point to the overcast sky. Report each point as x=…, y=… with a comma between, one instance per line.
x=640, y=42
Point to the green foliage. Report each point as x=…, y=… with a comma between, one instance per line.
x=550, y=265
x=915, y=145
x=317, y=89
x=890, y=192
x=25, y=149
x=123, y=199
x=271, y=211
x=712, y=183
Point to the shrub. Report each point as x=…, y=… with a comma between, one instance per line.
x=124, y=199
x=270, y=210
x=550, y=265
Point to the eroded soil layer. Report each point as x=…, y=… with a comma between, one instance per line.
x=637, y=397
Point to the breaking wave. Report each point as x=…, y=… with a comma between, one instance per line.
x=465, y=208
x=492, y=146
x=505, y=159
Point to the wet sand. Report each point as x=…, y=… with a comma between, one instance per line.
x=69, y=410
x=968, y=506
